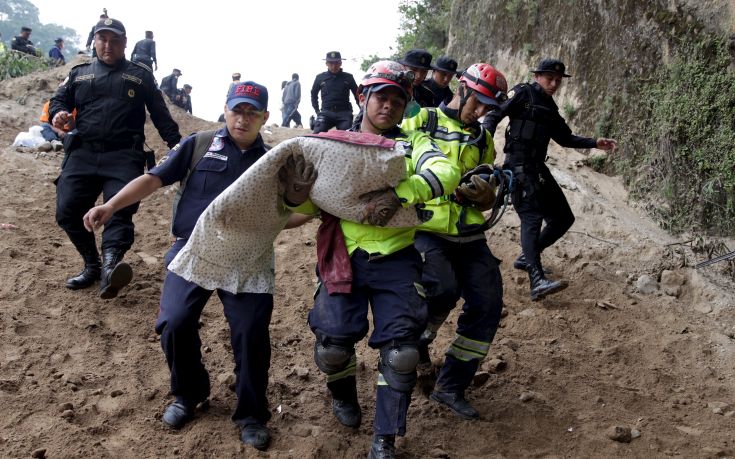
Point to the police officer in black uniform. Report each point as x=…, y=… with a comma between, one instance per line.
x=534, y=121
x=419, y=62
x=145, y=51
x=105, y=152
x=170, y=83
x=335, y=85
x=22, y=43
x=441, y=74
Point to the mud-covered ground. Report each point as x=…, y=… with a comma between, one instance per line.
x=84, y=377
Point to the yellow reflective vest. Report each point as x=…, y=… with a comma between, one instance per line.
x=463, y=147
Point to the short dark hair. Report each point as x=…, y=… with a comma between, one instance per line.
x=26, y=29
x=295, y=76
x=148, y=34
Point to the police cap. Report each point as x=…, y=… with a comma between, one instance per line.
x=551, y=66
x=445, y=64
x=113, y=25
x=417, y=58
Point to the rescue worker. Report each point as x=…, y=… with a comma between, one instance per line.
x=441, y=74
x=144, y=51
x=55, y=54
x=335, y=86
x=534, y=120
x=105, y=152
x=385, y=270
x=457, y=260
x=419, y=62
x=22, y=43
x=170, y=83
x=230, y=151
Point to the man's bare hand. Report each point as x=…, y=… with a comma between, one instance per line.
x=60, y=119
x=97, y=216
x=606, y=144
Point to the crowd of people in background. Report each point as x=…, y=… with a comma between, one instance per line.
x=411, y=277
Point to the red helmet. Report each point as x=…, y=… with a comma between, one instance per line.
x=388, y=73
x=488, y=83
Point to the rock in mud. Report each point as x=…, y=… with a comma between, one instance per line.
x=672, y=282
x=39, y=453
x=646, y=285
x=620, y=434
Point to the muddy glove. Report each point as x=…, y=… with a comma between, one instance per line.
x=478, y=192
x=380, y=206
x=295, y=179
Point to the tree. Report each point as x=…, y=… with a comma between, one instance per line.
x=15, y=14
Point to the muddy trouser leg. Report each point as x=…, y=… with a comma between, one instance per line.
x=482, y=290
x=440, y=284
x=249, y=316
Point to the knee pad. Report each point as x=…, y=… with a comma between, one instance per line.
x=398, y=366
x=332, y=358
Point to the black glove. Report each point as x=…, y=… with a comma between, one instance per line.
x=295, y=179
x=380, y=206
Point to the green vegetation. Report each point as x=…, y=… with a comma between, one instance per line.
x=569, y=110
x=14, y=64
x=424, y=24
x=684, y=143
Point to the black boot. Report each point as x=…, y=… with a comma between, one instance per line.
x=91, y=272
x=520, y=263
x=116, y=274
x=383, y=447
x=345, y=406
x=540, y=286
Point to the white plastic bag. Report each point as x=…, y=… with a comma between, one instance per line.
x=32, y=138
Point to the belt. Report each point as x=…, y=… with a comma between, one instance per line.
x=338, y=108
x=102, y=147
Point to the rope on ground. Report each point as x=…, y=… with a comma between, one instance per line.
x=584, y=233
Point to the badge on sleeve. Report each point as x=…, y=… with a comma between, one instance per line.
x=217, y=144
x=511, y=93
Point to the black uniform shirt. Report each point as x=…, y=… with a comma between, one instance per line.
x=423, y=96
x=440, y=94
x=145, y=47
x=23, y=45
x=111, y=102
x=529, y=102
x=335, y=89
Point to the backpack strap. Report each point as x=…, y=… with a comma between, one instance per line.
x=202, y=142
x=432, y=122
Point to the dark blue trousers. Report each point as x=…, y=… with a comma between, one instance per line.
x=470, y=271
x=84, y=176
x=389, y=285
x=328, y=119
x=248, y=315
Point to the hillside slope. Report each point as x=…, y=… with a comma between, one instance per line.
x=83, y=377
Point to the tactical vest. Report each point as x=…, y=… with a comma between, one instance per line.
x=529, y=132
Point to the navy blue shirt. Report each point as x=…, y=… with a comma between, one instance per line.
x=221, y=165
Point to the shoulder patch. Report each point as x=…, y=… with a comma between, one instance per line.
x=511, y=93
x=139, y=64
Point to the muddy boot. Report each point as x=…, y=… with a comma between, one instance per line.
x=540, y=286
x=383, y=447
x=116, y=274
x=345, y=406
x=91, y=272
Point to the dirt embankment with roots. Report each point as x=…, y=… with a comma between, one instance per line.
x=84, y=377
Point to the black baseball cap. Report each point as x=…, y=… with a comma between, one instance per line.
x=417, y=58
x=445, y=64
x=551, y=66
x=113, y=25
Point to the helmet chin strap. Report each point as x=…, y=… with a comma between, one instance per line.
x=463, y=97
